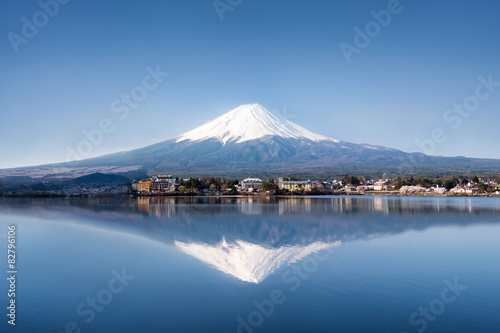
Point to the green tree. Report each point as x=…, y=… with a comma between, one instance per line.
x=482, y=187
x=193, y=183
x=269, y=185
x=350, y=180
x=450, y=183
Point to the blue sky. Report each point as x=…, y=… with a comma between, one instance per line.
x=285, y=55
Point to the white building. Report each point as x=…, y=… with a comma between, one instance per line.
x=251, y=184
x=380, y=185
x=440, y=190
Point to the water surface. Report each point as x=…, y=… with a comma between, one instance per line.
x=308, y=264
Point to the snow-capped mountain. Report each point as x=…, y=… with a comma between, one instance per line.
x=250, y=140
x=250, y=262
x=250, y=122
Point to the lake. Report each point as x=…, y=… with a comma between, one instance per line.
x=248, y=264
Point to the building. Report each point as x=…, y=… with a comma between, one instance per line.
x=251, y=184
x=381, y=185
x=155, y=184
x=135, y=185
x=143, y=186
x=459, y=189
x=362, y=188
x=162, y=183
x=440, y=190
x=292, y=185
x=470, y=188
x=350, y=188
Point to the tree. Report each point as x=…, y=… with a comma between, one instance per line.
x=193, y=183
x=475, y=179
x=182, y=188
x=450, y=183
x=269, y=185
x=351, y=180
x=293, y=179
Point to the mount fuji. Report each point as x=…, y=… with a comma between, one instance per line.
x=250, y=122
x=251, y=139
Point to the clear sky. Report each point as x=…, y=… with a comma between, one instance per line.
x=398, y=87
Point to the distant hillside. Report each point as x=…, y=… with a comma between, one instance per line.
x=101, y=178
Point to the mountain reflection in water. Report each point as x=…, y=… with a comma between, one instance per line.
x=250, y=237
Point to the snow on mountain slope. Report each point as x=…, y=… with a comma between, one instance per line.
x=249, y=122
x=250, y=262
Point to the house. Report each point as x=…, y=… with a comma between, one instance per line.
x=381, y=185
x=350, y=188
x=459, y=189
x=470, y=188
x=251, y=184
x=294, y=185
x=362, y=188
x=437, y=189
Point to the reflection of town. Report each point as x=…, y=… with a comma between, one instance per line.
x=249, y=238
x=166, y=206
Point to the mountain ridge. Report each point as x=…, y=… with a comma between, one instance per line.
x=251, y=140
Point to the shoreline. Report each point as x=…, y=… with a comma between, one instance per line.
x=250, y=195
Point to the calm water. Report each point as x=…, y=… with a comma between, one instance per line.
x=322, y=264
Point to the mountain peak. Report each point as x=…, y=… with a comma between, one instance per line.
x=250, y=262
x=249, y=122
